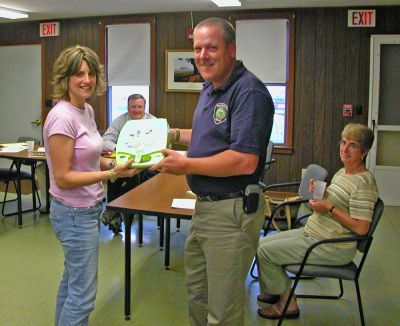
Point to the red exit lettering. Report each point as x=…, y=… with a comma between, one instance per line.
x=361, y=18
x=49, y=29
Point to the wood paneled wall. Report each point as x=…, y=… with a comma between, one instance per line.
x=331, y=68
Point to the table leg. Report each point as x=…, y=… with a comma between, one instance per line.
x=34, y=191
x=161, y=233
x=140, y=230
x=167, y=241
x=128, y=224
x=19, y=201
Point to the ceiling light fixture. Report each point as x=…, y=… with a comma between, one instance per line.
x=12, y=13
x=227, y=3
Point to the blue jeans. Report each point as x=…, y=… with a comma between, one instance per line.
x=78, y=231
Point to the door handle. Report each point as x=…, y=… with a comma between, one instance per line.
x=37, y=122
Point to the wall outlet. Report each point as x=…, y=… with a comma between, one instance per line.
x=303, y=172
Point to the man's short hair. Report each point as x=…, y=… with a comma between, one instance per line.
x=227, y=29
x=136, y=97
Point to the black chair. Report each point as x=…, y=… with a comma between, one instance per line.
x=350, y=272
x=272, y=221
x=269, y=160
x=313, y=171
x=11, y=175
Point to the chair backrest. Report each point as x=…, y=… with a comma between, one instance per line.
x=268, y=159
x=376, y=215
x=313, y=171
x=23, y=139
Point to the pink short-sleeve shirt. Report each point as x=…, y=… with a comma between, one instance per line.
x=65, y=119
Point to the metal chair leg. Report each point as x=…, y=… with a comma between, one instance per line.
x=281, y=318
x=35, y=196
x=359, y=302
x=5, y=197
x=253, y=266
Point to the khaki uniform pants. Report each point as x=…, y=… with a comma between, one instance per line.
x=218, y=252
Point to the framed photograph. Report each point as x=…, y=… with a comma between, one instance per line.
x=181, y=72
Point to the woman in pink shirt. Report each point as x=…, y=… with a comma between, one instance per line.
x=76, y=175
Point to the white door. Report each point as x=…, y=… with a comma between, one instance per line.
x=384, y=116
x=20, y=92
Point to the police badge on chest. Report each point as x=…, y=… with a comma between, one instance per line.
x=220, y=113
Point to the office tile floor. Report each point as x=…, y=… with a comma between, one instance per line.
x=32, y=263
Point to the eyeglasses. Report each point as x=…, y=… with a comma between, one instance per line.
x=351, y=145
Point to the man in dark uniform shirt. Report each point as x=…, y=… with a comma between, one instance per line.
x=227, y=145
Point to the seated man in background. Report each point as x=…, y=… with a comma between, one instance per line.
x=136, y=111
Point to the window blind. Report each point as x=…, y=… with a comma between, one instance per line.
x=262, y=46
x=128, y=54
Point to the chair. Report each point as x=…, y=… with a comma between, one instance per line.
x=350, y=272
x=268, y=160
x=313, y=171
x=11, y=175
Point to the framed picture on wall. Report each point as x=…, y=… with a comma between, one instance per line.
x=181, y=72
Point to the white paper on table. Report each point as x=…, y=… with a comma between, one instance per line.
x=13, y=144
x=183, y=203
x=13, y=149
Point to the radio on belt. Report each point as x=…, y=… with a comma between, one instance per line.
x=250, y=199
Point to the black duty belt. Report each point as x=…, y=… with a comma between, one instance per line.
x=220, y=197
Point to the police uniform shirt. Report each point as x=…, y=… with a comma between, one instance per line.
x=237, y=116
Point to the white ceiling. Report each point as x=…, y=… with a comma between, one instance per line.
x=57, y=9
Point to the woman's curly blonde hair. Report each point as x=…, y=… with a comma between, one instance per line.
x=68, y=63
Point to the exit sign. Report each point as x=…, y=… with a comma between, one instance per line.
x=49, y=29
x=361, y=18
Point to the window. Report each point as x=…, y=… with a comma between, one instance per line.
x=118, y=99
x=278, y=93
x=128, y=71
x=270, y=56
x=128, y=53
